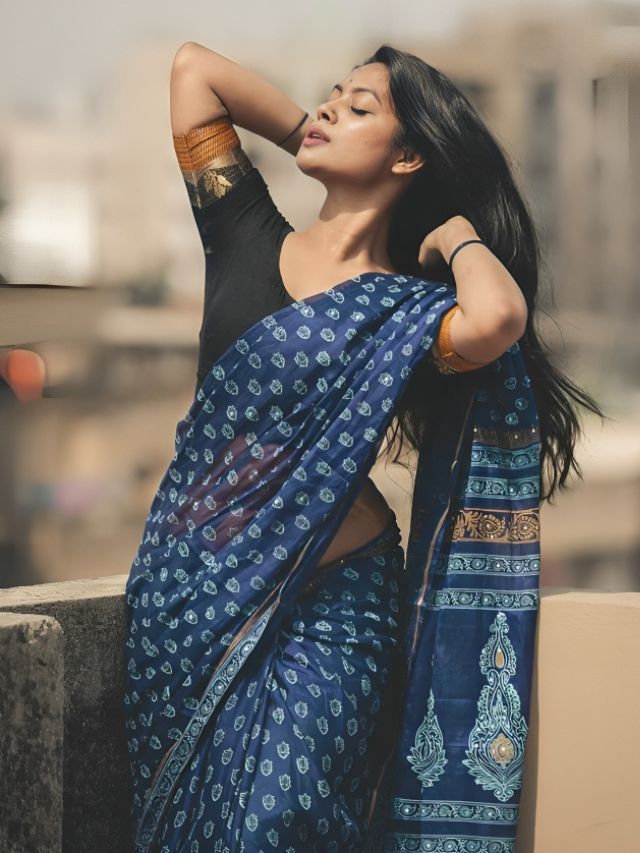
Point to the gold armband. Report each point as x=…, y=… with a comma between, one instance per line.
x=446, y=358
x=211, y=160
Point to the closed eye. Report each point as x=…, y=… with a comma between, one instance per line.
x=360, y=112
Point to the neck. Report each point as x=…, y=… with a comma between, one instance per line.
x=351, y=235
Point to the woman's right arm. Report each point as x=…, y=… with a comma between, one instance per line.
x=206, y=85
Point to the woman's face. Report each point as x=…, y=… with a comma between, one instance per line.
x=360, y=126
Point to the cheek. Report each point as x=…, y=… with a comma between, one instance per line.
x=371, y=153
x=361, y=140
x=373, y=143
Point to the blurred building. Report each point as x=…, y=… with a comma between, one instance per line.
x=49, y=201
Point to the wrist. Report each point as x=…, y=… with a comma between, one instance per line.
x=454, y=234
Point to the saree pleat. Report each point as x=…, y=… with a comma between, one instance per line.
x=275, y=705
x=304, y=718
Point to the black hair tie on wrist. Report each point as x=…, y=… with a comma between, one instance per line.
x=458, y=247
x=294, y=129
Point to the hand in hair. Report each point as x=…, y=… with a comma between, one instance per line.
x=438, y=243
x=493, y=312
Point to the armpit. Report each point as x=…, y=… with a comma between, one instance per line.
x=211, y=160
x=445, y=358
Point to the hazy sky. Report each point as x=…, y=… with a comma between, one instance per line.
x=64, y=47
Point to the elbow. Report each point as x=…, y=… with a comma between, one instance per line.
x=513, y=323
x=491, y=342
x=183, y=58
x=516, y=315
x=482, y=343
x=510, y=327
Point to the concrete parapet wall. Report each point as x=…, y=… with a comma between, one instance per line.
x=87, y=666
x=65, y=774
x=31, y=721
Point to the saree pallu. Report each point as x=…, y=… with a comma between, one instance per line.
x=274, y=705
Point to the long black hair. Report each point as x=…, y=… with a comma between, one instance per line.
x=467, y=173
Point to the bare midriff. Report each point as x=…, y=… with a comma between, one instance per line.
x=368, y=516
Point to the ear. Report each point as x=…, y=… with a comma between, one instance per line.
x=408, y=162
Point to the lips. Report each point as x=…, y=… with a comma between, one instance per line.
x=314, y=131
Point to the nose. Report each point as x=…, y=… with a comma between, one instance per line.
x=326, y=111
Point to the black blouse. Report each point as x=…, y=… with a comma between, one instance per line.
x=242, y=232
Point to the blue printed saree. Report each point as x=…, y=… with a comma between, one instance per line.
x=272, y=705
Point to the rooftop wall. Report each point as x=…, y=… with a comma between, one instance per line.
x=64, y=776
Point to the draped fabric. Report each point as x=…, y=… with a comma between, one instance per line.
x=256, y=682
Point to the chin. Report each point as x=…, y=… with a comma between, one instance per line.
x=308, y=167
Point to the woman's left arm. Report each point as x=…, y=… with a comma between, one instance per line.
x=492, y=311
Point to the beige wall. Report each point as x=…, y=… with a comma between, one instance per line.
x=581, y=768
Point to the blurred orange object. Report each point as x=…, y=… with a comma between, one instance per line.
x=24, y=372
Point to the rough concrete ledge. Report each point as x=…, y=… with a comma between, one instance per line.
x=61, y=592
x=31, y=721
x=94, y=770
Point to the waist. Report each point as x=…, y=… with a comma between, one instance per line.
x=384, y=541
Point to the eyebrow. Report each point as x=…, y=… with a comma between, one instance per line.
x=359, y=89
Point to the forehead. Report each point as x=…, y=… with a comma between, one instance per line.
x=373, y=76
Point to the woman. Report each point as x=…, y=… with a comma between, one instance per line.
x=292, y=684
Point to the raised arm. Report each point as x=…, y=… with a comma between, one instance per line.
x=491, y=311
x=205, y=85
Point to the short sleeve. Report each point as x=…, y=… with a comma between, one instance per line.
x=211, y=160
x=229, y=198
x=445, y=358
x=241, y=230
